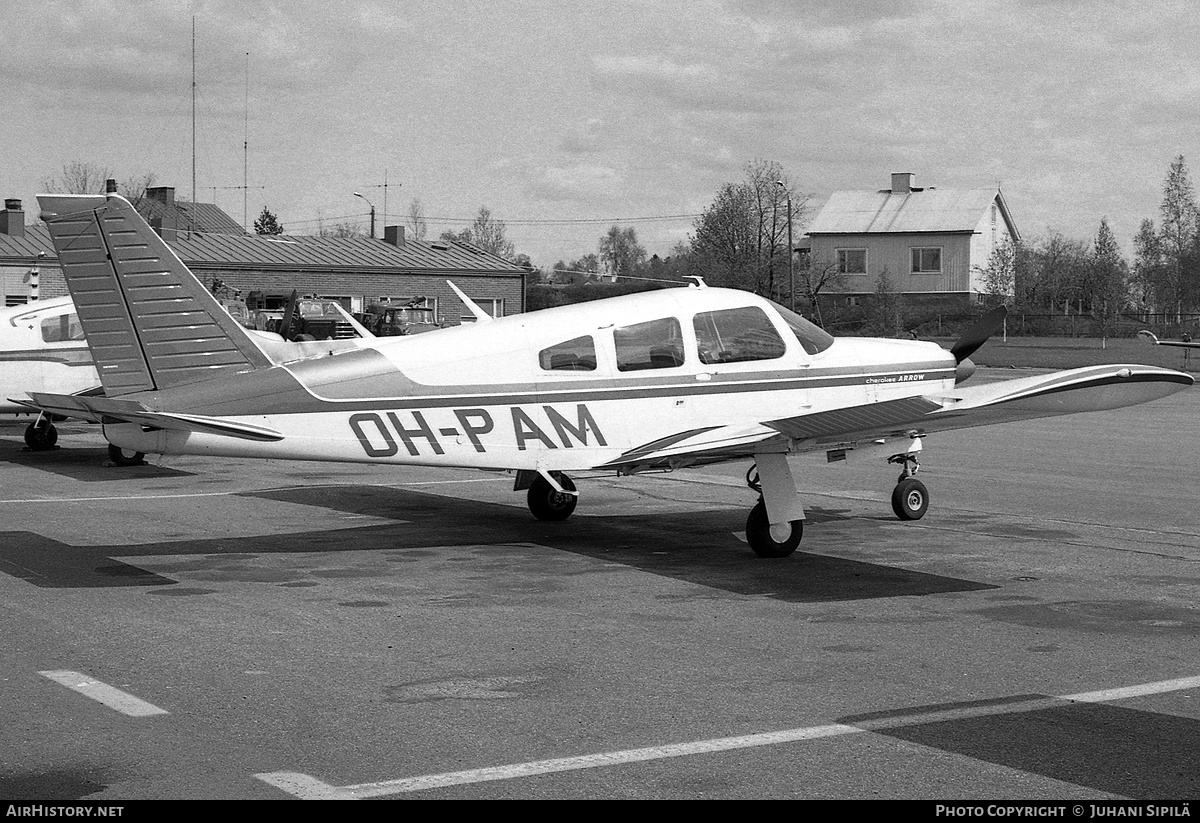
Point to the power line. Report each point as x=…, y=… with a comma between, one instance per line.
x=533, y=221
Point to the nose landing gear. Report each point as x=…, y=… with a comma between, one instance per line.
x=910, y=498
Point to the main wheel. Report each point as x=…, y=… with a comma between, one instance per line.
x=768, y=541
x=548, y=504
x=910, y=499
x=41, y=437
x=125, y=457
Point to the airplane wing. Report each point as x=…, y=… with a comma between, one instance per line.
x=1093, y=388
x=1153, y=340
x=103, y=409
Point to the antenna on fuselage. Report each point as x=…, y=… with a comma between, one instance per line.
x=699, y=284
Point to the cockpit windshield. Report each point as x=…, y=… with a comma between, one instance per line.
x=812, y=337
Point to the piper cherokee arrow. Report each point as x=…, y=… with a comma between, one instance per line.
x=654, y=381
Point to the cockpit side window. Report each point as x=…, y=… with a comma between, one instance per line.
x=736, y=335
x=657, y=344
x=62, y=328
x=812, y=337
x=576, y=354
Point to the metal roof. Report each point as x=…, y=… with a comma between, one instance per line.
x=919, y=210
x=292, y=253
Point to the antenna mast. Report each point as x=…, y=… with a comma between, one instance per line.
x=246, y=152
x=192, y=210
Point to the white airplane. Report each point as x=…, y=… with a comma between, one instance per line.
x=653, y=381
x=42, y=350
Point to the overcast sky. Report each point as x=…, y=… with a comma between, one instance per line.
x=601, y=112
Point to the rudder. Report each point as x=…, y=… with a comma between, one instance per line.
x=149, y=322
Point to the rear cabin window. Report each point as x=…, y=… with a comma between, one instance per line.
x=61, y=328
x=736, y=335
x=577, y=354
x=657, y=344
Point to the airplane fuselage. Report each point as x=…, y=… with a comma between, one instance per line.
x=42, y=350
x=492, y=395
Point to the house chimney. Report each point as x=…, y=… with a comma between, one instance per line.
x=902, y=182
x=162, y=194
x=110, y=186
x=12, y=219
x=394, y=235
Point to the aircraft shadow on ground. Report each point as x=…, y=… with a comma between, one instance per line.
x=696, y=547
x=86, y=465
x=1112, y=749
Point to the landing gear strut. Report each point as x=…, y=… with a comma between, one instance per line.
x=910, y=498
x=781, y=537
x=40, y=435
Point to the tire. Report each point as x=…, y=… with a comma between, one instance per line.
x=41, y=438
x=547, y=504
x=910, y=499
x=125, y=457
x=764, y=544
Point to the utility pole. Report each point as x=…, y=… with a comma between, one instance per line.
x=791, y=250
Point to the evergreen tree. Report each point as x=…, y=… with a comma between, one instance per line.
x=267, y=223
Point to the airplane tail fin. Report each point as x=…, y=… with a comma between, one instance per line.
x=149, y=322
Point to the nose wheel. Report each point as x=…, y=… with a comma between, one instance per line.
x=910, y=498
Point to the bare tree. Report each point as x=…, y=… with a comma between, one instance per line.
x=79, y=177
x=487, y=233
x=621, y=251
x=741, y=239
x=414, y=221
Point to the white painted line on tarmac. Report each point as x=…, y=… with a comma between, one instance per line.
x=112, y=697
x=306, y=787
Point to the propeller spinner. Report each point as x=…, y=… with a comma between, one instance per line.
x=972, y=339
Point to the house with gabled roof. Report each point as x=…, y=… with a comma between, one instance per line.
x=932, y=243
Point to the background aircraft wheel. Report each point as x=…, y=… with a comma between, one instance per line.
x=547, y=504
x=765, y=544
x=125, y=457
x=910, y=499
x=40, y=438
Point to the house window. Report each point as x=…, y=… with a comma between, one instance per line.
x=491, y=307
x=853, y=300
x=852, y=261
x=927, y=260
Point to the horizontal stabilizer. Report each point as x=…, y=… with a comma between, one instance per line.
x=105, y=410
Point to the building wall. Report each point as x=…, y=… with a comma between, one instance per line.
x=893, y=252
x=991, y=232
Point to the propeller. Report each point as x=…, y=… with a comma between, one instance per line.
x=972, y=339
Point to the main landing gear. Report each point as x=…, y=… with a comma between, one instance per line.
x=775, y=526
x=547, y=502
x=40, y=435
